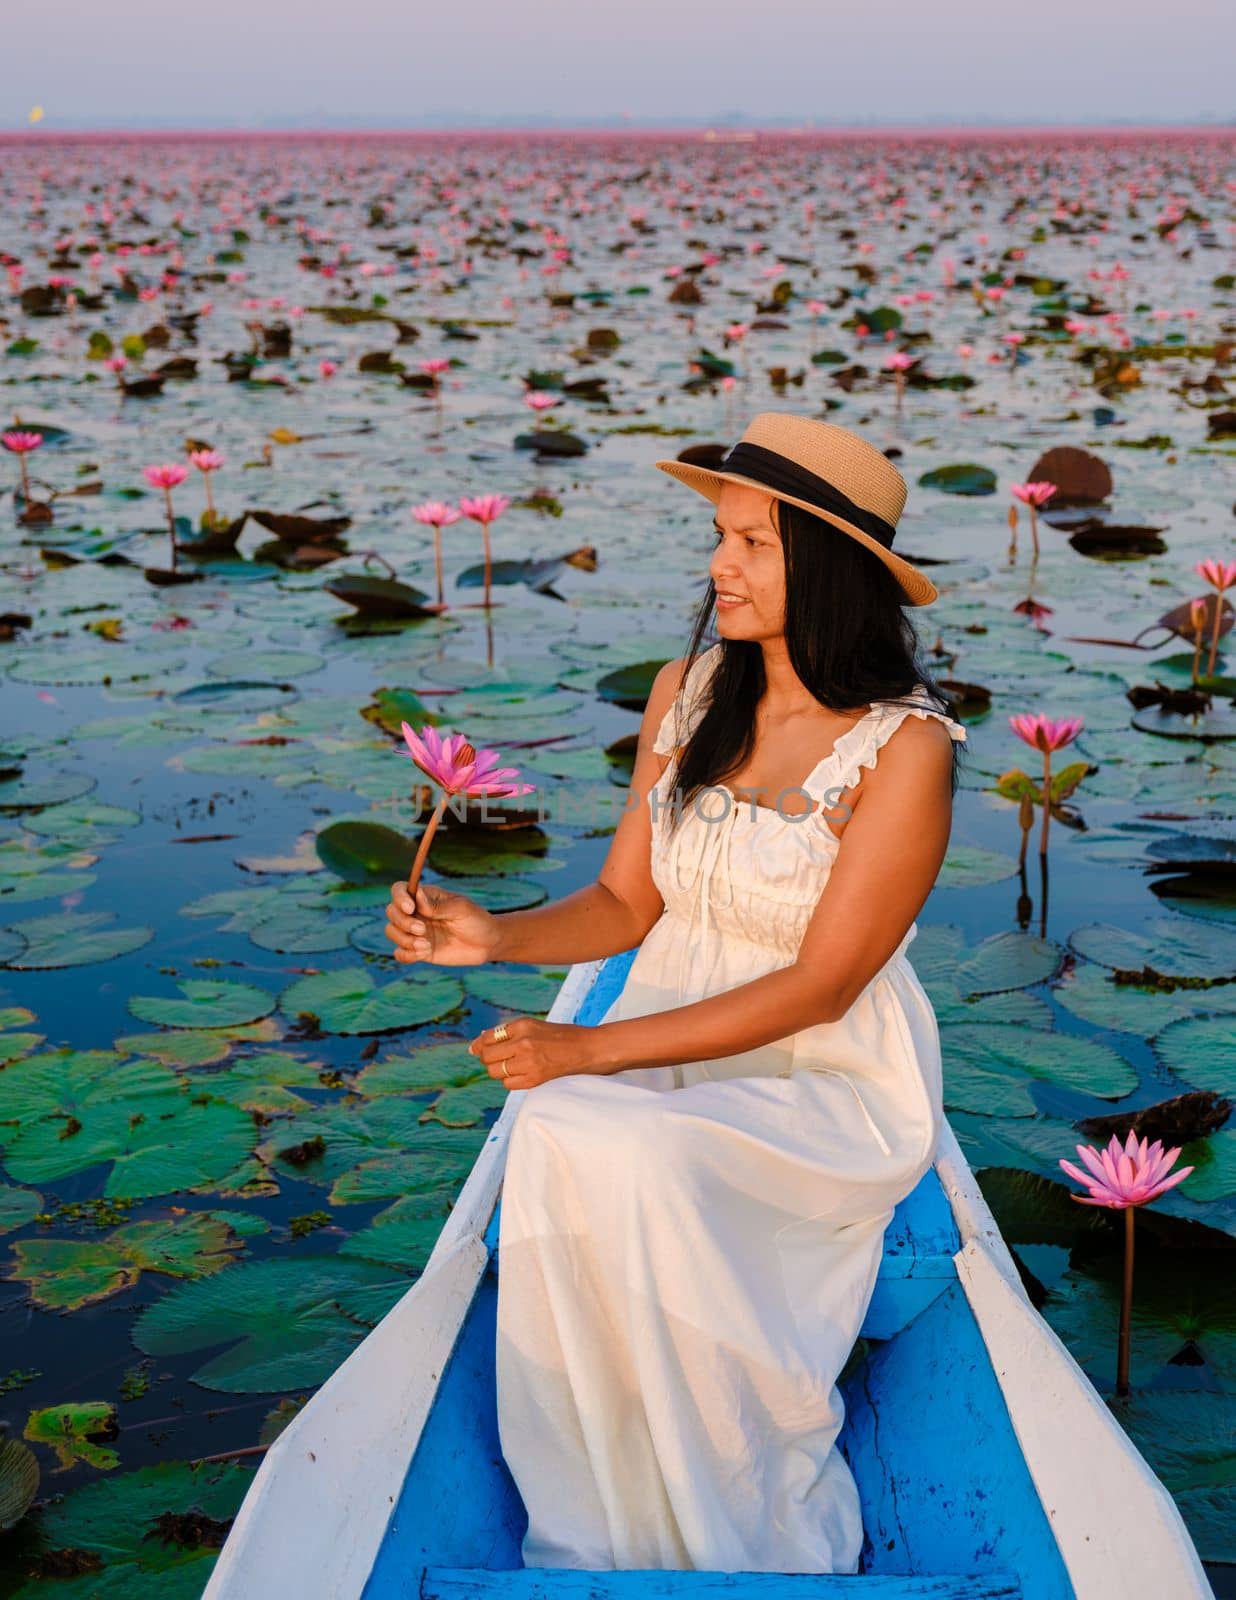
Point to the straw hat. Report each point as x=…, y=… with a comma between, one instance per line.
x=826, y=470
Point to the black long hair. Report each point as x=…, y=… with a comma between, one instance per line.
x=848, y=638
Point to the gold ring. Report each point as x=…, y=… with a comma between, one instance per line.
x=500, y=1033
x=505, y=1073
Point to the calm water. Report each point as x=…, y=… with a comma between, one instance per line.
x=208, y=1198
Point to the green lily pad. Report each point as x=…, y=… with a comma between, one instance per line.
x=123, y=1523
x=18, y=1207
x=286, y=1324
x=1213, y=1160
x=404, y=1237
x=467, y=1105
x=73, y=939
x=73, y=1431
x=962, y=478
x=347, y=1000
x=196, y=1047
x=19, y=1481
x=66, y=1111
x=1169, y=945
x=1201, y=1051
x=206, y=1003
x=969, y=867
x=365, y=852
x=265, y=1083
x=66, y=1274
x=1189, y=1439
x=1173, y=1303
x=1091, y=993
x=433, y=1066
x=1008, y=961
x=629, y=686
x=529, y=993
x=1066, y=1059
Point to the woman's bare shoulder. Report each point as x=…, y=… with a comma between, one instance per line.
x=676, y=678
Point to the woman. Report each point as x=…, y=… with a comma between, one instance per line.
x=683, y=1274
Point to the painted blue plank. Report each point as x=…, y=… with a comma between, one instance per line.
x=605, y=989
x=941, y=1478
x=458, y=1504
x=560, y=1583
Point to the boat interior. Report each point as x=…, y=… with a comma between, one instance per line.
x=949, y=1507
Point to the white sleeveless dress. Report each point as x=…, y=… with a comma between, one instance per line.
x=686, y=1254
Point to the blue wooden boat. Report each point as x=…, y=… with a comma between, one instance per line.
x=988, y=1466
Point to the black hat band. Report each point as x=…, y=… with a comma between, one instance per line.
x=779, y=473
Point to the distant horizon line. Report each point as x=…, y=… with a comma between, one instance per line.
x=721, y=128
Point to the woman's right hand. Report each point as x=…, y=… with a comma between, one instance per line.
x=446, y=929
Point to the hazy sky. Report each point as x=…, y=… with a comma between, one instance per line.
x=262, y=62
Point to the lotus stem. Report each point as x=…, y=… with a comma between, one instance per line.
x=210, y=499
x=1197, y=652
x=1214, y=636
x=1034, y=530
x=1126, y=1306
x=488, y=563
x=437, y=559
x=1046, y=800
x=171, y=524
x=25, y=479
x=431, y=827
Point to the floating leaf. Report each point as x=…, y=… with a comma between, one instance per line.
x=963, y=478
x=74, y=939
x=74, y=1432
x=206, y=1003
x=19, y=1481
x=523, y=991
x=66, y=1111
x=1065, y=1059
x=347, y=1000
x=66, y=1274
x=18, y=1207
x=1201, y=1052
x=286, y=1324
x=1189, y=1439
x=156, y=1532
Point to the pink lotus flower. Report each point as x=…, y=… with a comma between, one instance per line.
x=1128, y=1176
x=1041, y=733
x=21, y=442
x=898, y=361
x=1220, y=575
x=1121, y=1179
x=737, y=330
x=436, y=515
x=435, y=366
x=538, y=400
x=457, y=768
x=485, y=508
x=1044, y=734
x=328, y=369
x=1033, y=494
x=166, y=478
x=206, y=462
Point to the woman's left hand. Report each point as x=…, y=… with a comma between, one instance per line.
x=533, y=1051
